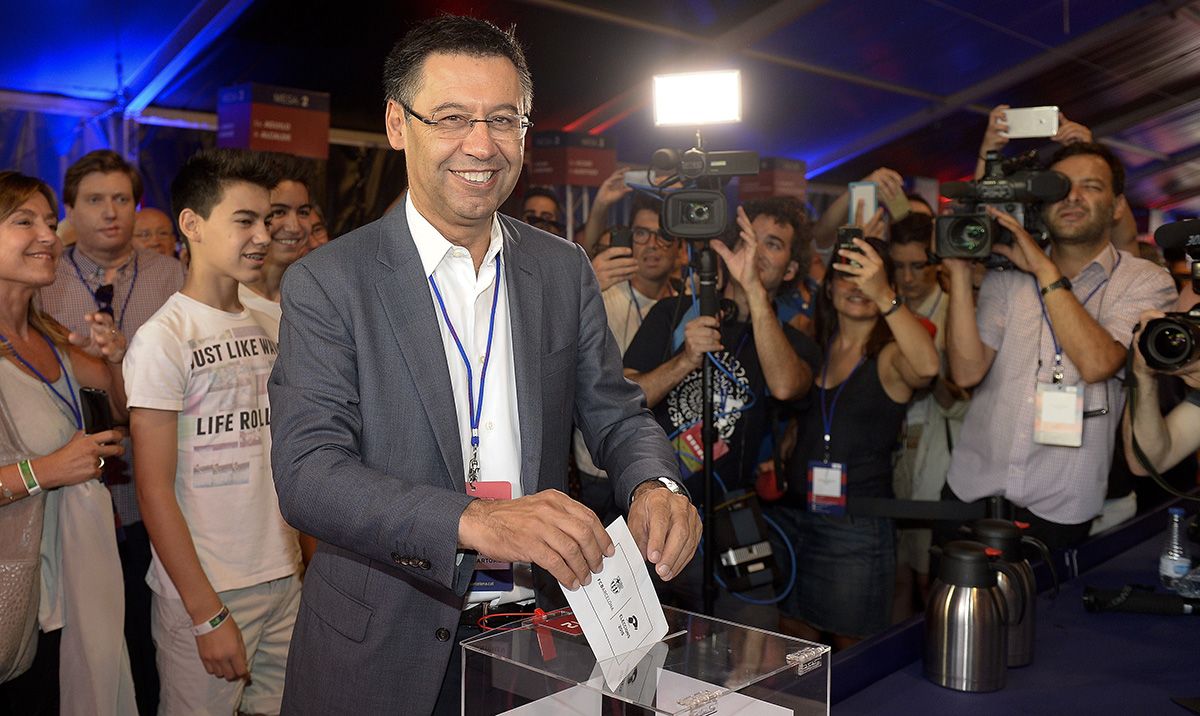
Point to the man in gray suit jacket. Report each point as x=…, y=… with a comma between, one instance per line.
x=382, y=430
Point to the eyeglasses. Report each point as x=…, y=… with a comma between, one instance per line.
x=104, y=298
x=544, y=221
x=642, y=235
x=160, y=233
x=502, y=126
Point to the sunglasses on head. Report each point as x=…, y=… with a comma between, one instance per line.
x=104, y=299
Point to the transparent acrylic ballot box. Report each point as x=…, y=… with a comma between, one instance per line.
x=703, y=667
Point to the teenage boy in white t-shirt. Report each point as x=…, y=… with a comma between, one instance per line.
x=224, y=569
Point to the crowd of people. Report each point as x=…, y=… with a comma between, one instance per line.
x=286, y=421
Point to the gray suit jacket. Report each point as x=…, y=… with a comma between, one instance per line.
x=367, y=454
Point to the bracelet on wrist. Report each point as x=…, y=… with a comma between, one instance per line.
x=892, y=308
x=212, y=624
x=27, y=476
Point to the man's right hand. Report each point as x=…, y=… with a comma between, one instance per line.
x=547, y=528
x=223, y=652
x=614, y=265
x=701, y=335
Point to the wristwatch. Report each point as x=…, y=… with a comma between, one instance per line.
x=672, y=485
x=666, y=482
x=1063, y=282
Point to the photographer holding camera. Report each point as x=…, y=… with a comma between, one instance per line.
x=1044, y=348
x=1164, y=440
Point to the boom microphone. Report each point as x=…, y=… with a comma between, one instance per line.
x=1047, y=187
x=1183, y=234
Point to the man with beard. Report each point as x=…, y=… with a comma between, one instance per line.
x=755, y=356
x=1044, y=350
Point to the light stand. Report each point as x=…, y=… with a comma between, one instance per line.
x=709, y=306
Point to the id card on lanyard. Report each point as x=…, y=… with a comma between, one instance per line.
x=1058, y=406
x=827, y=479
x=490, y=575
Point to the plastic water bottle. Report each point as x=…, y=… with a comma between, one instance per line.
x=1189, y=586
x=1175, y=561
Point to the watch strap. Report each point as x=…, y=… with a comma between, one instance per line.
x=1063, y=282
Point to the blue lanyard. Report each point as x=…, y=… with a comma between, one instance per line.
x=827, y=412
x=1058, y=371
x=73, y=404
x=474, y=411
x=132, y=283
x=636, y=307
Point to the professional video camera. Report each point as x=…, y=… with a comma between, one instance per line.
x=1173, y=342
x=1013, y=186
x=698, y=209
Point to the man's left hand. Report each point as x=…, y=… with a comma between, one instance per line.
x=1025, y=254
x=665, y=526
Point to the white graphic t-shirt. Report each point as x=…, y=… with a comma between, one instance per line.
x=212, y=368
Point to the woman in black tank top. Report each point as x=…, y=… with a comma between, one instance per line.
x=875, y=354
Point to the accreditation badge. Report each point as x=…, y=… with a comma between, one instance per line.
x=491, y=575
x=826, y=488
x=1058, y=415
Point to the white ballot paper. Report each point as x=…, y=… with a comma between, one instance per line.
x=619, y=610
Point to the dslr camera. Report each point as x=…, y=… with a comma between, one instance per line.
x=1173, y=341
x=698, y=210
x=1014, y=187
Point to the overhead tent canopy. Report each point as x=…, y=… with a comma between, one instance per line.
x=846, y=85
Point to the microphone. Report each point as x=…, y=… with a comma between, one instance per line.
x=1179, y=235
x=708, y=283
x=1023, y=186
x=958, y=189
x=1138, y=601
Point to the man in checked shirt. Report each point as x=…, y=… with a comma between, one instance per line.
x=103, y=271
x=1045, y=348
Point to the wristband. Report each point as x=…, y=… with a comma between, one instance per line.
x=1063, y=282
x=31, y=482
x=212, y=624
x=895, y=307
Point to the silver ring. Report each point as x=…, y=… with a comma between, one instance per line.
x=101, y=465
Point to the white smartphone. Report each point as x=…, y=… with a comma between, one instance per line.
x=868, y=193
x=1026, y=122
x=639, y=178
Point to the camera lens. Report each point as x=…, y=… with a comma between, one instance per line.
x=967, y=235
x=1169, y=343
x=697, y=213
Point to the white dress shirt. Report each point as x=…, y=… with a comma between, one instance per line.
x=468, y=300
